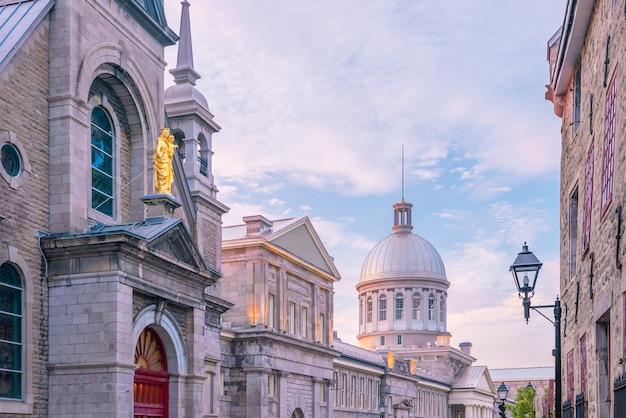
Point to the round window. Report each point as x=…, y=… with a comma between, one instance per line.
x=11, y=161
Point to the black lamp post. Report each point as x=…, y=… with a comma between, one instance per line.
x=503, y=391
x=525, y=270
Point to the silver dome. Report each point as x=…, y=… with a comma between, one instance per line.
x=403, y=254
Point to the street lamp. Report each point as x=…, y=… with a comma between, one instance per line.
x=503, y=391
x=525, y=270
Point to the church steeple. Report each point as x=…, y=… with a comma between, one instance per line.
x=184, y=71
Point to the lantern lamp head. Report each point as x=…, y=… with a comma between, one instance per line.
x=525, y=270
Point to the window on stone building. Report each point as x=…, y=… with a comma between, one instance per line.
x=352, y=391
x=368, y=398
x=322, y=330
x=344, y=389
x=382, y=340
x=102, y=162
x=587, y=202
x=583, y=364
x=569, y=394
x=11, y=160
x=442, y=309
x=609, y=145
x=417, y=306
x=361, y=392
x=573, y=231
x=292, y=317
x=576, y=99
x=382, y=308
x=222, y=383
x=399, y=306
x=11, y=342
x=603, y=354
x=271, y=385
x=399, y=340
x=336, y=388
x=360, y=310
x=368, y=309
x=375, y=398
x=270, y=310
x=431, y=307
x=303, y=321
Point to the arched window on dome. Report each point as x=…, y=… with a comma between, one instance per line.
x=417, y=306
x=442, y=309
x=431, y=307
x=360, y=311
x=382, y=308
x=369, y=307
x=399, y=306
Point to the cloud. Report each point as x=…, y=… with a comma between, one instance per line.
x=328, y=101
x=430, y=175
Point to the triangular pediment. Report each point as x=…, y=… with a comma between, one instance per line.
x=177, y=244
x=301, y=240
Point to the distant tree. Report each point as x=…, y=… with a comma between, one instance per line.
x=524, y=406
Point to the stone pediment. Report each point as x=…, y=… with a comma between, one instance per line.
x=300, y=239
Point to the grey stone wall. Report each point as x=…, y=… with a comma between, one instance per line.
x=592, y=287
x=24, y=113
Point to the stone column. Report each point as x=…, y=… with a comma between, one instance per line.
x=256, y=393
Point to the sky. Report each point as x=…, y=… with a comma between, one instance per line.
x=317, y=101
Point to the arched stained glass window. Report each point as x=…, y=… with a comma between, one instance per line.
x=11, y=367
x=102, y=162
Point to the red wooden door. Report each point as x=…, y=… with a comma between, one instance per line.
x=151, y=377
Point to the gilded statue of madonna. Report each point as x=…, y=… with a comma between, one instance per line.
x=163, y=162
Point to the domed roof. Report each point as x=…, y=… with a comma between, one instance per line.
x=403, y=254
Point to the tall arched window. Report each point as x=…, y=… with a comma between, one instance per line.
x=399, y=306
x=369, y=309
x=102, y=162
x=442, y=310
x=382, y=308
x=431, y=307
x=11, y=365
x=417, y=306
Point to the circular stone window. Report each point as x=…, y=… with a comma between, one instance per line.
x=14, y=165
x=11, y=161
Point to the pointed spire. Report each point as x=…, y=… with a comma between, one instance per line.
x=184, y=71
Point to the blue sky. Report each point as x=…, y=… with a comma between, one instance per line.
x=316, y=100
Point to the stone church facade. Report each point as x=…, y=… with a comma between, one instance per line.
x=587, y=88
x=116, y=301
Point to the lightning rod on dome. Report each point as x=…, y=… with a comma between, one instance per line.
x=403, y=172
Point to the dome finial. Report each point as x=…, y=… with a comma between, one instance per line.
x=402, y=210
x=403, y=172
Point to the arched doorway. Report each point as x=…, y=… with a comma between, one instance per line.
x=297, y=413
x=151, y=377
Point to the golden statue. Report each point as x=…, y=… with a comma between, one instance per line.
x=163, y=162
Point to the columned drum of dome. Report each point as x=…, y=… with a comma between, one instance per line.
x=402, y=290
